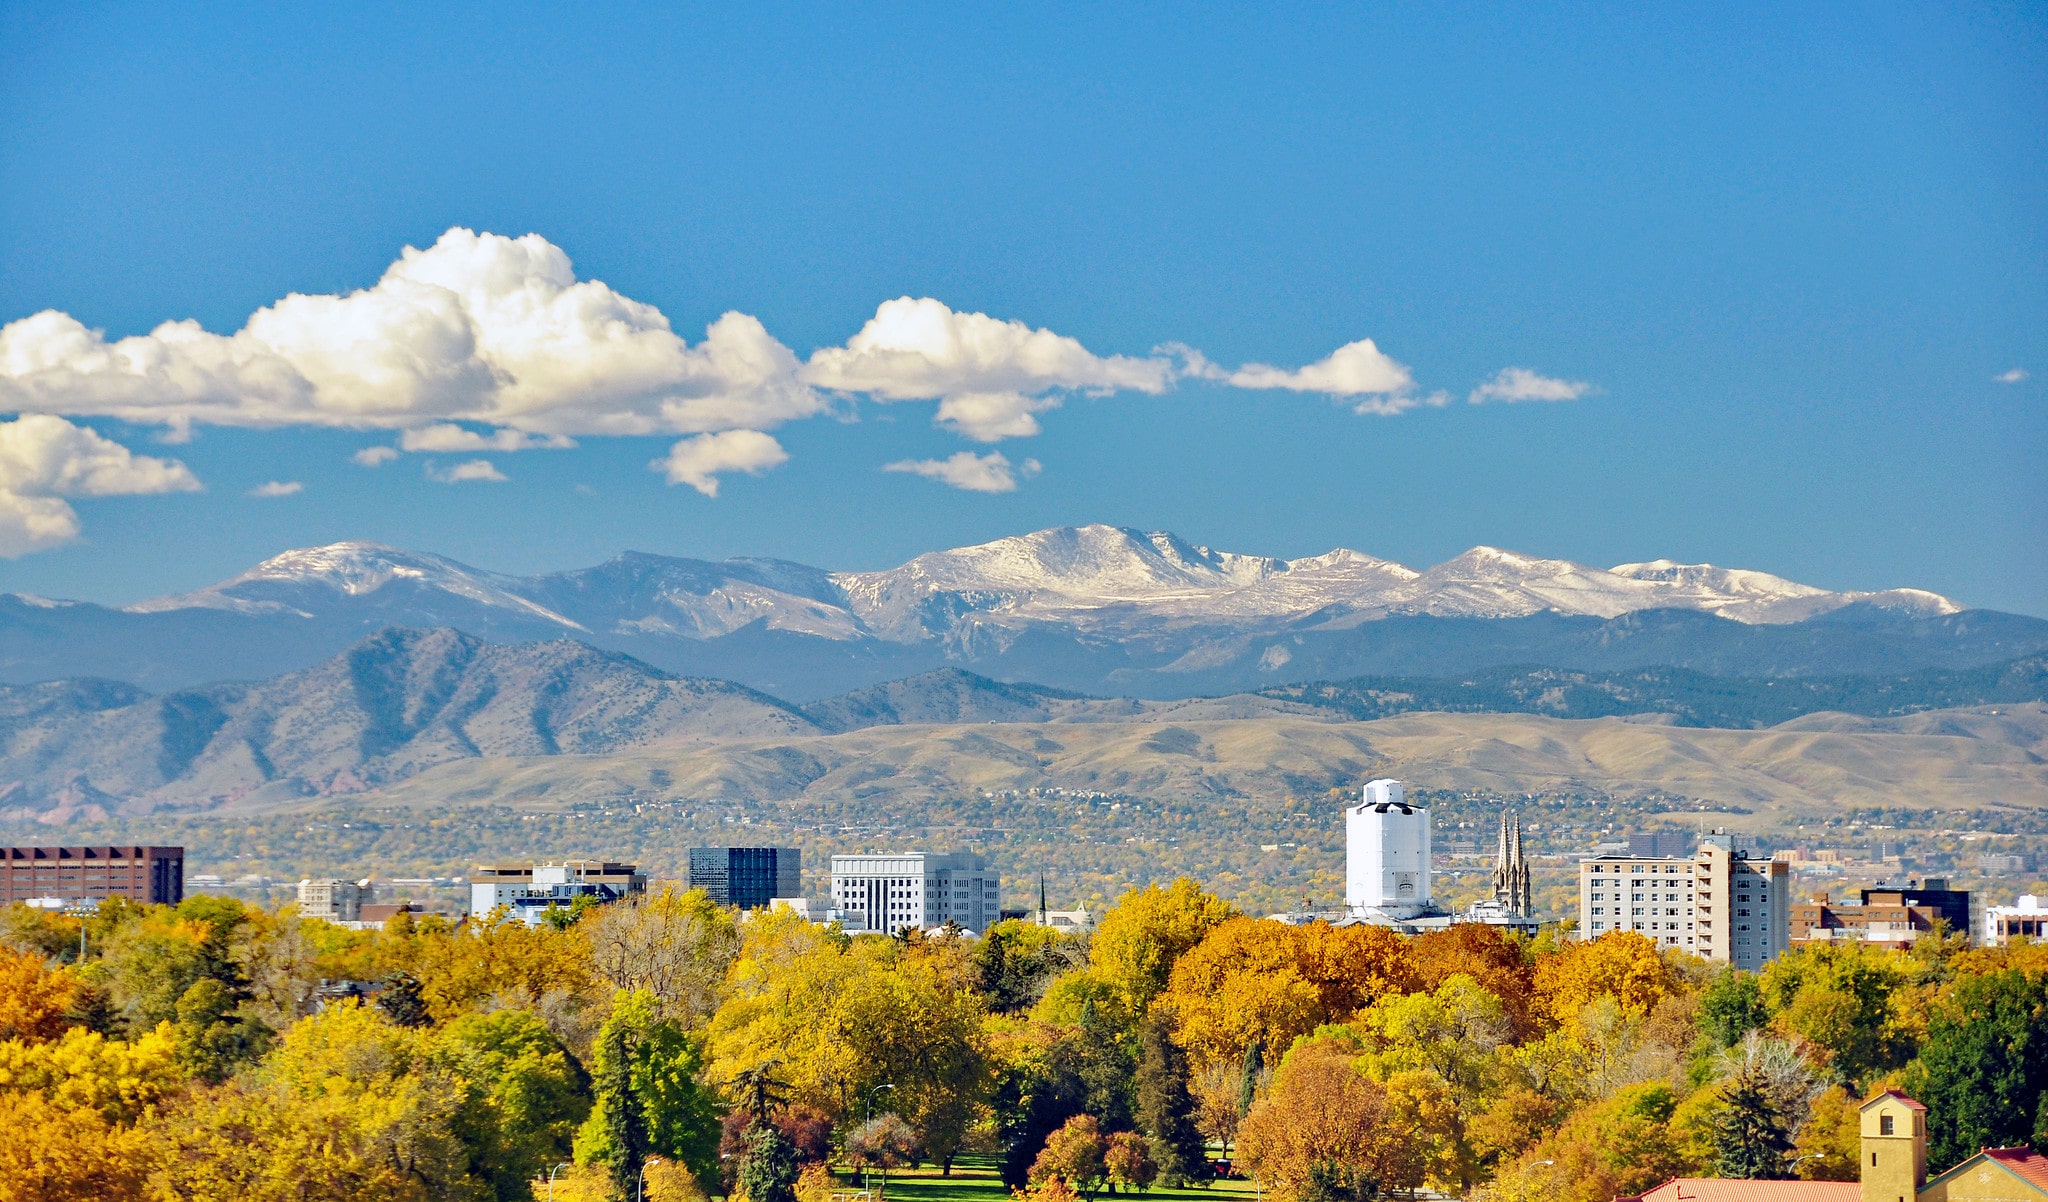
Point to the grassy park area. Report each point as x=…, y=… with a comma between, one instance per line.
x=974, y=1179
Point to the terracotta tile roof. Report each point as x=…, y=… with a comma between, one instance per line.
x=2025, y=1163
x=1715, y=1189
x=1891, y=1093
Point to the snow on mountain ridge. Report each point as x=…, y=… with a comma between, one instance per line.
x=1108, y=578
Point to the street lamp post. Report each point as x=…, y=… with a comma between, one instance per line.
x=871, y=1118
x=551, y=1179
x=640, y=1187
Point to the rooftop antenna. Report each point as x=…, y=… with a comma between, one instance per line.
x=1041, y=899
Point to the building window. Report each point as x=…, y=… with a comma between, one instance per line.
x=1884, y=1124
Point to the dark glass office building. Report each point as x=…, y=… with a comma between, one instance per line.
x=747, y=877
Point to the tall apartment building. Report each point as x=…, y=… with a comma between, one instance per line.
x=1718, y=903
x=747, y=877
x=79, y=874
x=917, y=889
x=334, y=901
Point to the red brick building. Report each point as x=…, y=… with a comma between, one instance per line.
x=144, y=874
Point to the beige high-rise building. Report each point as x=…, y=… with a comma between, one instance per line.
x=1719, y=903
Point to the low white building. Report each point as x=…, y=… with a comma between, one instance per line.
x=923, y=890
x=528, y=890
x=2028, y=918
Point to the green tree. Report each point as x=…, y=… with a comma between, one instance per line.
x=523, y=1096
x=1749, y=1131
x=1166, y=1108
x=768, y=1167
x=647, y=1096
x=402, y=1001
x=213, y=1037
x=1983, y=1069
x=1731, y=1006
x=1248, y=1083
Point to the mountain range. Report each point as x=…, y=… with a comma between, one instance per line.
x=403, y=702
x=1096, y=609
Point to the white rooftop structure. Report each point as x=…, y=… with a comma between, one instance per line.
x=2029, y=918
x=1386, y=855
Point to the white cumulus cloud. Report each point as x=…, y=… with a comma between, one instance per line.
x=372, y=456
x=449, y=437
x=463, y=473
x=44, y=459
x=989, y=375
x=1521, y=384
x=699, y=461
x=1354, y=369
x=277, y=488
x=967, y=470
x=476, y=328
x=2015, y=376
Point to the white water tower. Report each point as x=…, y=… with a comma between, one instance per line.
x=1386, y=853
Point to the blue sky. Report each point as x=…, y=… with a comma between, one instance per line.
x=1778, y=260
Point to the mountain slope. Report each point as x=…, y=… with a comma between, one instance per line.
x=386, y=708
x=1688, y=698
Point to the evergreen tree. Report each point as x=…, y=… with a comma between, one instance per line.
x=768, y=1168
x=1749, y=1132
x=622, y=1126
x=1248, y=1088
x=402, y=1002
x=1166, y=1109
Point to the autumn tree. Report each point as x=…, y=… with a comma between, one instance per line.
x=1139, y=939
x=1621, y=966
x=1127, y=1162
x=1075, y=1154
x=882, y=1143
x=1323, y=1130
x=676, y=945
x=1840, y=1000
x=904, y=1027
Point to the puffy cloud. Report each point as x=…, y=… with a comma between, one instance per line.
x=993, y=416
x=448, y=437
x=44, y=459
x=967, y=470
x=989, y=375
x=277, y=488
x=2015, y=376
x=1521, y=384
x=478, y=328
x=1354, y=369
x=372, y=456
x=463, y=473
x=699, y=461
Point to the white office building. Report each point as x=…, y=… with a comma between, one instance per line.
x=895, y=891
x=2028, y=917
x=1719, y=903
